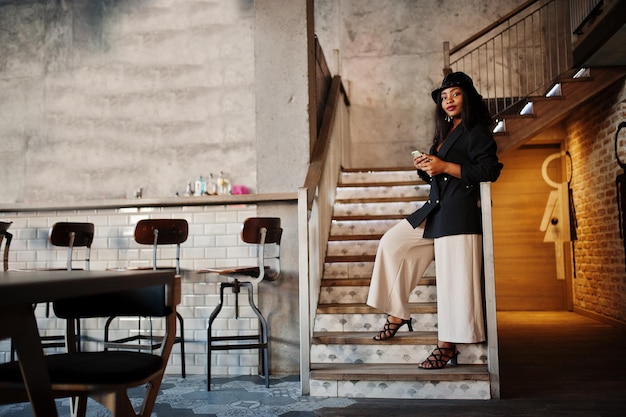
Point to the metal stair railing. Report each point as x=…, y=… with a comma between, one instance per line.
x=519, y=55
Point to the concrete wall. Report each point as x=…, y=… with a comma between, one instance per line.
x=100, y=98
x=392, y=58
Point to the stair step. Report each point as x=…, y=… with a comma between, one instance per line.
x=370, y=217
x=369, y=322
x=359, y=308
x=371, y=200
x=397, y=372
x=375, y=184
x=352, y=248
x=544, y=98
x=405, y=347
x=339, y=294
x=366, y=338
x=387, y=209
x=402, y=381
x=345, y=359
x=357, y=176
x=365, y=282
x=379, y=169
x=520, y=116
x=356, y=267
x=350, y=258
x=362, y=227
x=336, y=238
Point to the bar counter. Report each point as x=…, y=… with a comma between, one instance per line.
x=214, y=239
x=151, y=202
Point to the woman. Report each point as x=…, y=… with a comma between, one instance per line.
x=447, y=228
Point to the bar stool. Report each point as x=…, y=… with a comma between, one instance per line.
x=69, y=235
x=265, y=233
x=7, y=237
x=155, y=232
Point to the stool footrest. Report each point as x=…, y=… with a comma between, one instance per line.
x=238, y=347
x=242, y=337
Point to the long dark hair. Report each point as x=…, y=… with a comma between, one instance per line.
x=473, y=112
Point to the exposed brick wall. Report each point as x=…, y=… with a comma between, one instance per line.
x=600, y=283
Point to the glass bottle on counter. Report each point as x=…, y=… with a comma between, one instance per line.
x=211, y=185
x=200, y=187
x=188, y=190
x=223, y=184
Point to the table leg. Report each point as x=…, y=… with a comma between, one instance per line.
x=20, y=324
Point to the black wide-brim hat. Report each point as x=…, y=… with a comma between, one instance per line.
x=455, y=79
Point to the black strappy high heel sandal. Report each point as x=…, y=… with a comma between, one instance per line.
x=391, y=329
x=440, y=357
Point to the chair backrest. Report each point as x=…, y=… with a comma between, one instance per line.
x=7, y=237
x=159, y=300
x=72, y=235
x=149, y=301
x=266, y=233
x=157, y=232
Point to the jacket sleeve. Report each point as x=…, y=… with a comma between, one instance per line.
x=483, y=165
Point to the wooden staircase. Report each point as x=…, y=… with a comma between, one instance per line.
x=345, y=360
x=538, y=113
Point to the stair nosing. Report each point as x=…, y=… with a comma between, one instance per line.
x=396, y=372
x=380, y=184
x=370, y=217
x=361, y=308
x=380, y=169
x=372, y=200
x=403, y=337
x=349, y=258
x=340, y=238
x=365, y=282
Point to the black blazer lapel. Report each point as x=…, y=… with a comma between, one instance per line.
x=449, y=142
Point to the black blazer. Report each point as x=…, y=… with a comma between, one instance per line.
x=453, y=205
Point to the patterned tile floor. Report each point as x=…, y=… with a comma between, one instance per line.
x=553, y=364
x=244, y=396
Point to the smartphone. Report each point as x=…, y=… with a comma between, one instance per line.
x=417, y=152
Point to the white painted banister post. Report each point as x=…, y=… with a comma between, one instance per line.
x=304, y=292
x=490, y=290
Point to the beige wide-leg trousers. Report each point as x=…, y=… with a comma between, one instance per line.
x=403, y=256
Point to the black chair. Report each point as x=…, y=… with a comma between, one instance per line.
x=155, y=232
x=265, y=233
x=7, y=237
x=69, y=235
x=73, y=235
x=104, y=375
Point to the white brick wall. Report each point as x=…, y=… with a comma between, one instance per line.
x=213, y=241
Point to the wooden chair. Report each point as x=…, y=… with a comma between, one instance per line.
x=105, y=375
x=265, y=233
x=73, y=235
x=7, y=237
x=155, y=232
x=69, y=235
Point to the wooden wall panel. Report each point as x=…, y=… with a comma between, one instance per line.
x=524, y=264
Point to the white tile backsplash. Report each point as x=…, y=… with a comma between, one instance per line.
x=213, y=240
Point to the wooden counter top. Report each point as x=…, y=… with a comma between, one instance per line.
x=152, y=202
